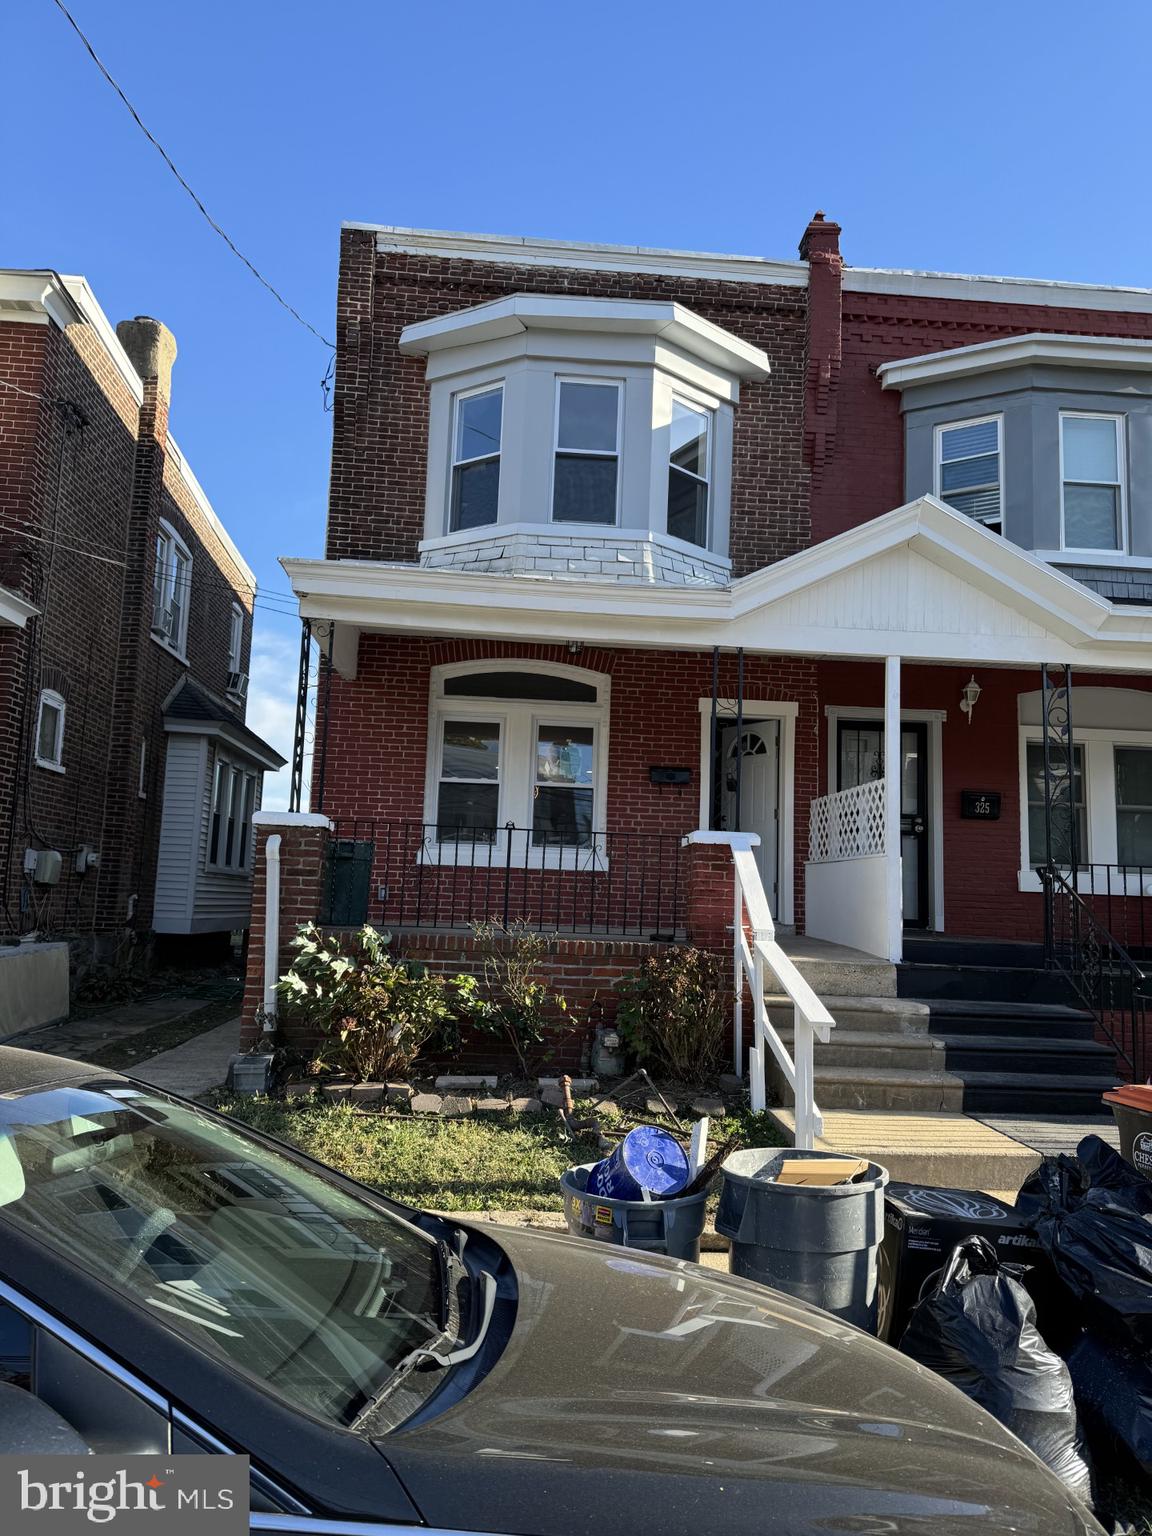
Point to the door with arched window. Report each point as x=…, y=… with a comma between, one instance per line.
x=750, y=793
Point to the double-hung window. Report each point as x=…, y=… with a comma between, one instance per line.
x=235, y=637
x=230, y=831
x=1133, y=772
x=689, y=469
x=968, y=469
x=50, y=731
x=1067, y=819
x=1092, y=480
x=476, y=433
x=585, y=474
x=468, y=787
x=172, y=584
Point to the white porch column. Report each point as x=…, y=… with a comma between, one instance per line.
x=894, y=878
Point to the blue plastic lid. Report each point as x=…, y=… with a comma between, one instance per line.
x=655, y=1160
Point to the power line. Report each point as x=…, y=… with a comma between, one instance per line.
x=259, y=276
x=30, y=394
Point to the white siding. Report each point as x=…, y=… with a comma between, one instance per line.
x=221, y=900
x=179, y=857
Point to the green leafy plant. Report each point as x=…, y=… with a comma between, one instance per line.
x=674, y=1012
x=510, y=1000
x=377, y=1012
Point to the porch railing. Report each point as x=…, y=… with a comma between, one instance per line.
x=848, y=824
x=413, y=874
x=1101, y=971
x=755, y=952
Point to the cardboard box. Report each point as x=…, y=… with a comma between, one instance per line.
x=820, y=1171
x=921, y=1227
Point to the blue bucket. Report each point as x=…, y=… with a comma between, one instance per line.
x=647, y=1159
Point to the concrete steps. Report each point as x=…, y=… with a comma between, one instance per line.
x=873, y=1015
x=1055, y=1094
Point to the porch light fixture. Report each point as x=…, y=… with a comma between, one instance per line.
x=968, y=697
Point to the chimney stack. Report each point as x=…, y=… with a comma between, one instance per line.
x=151, y=349
x=820, y=240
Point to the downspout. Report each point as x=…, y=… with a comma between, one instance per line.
x=271, y=930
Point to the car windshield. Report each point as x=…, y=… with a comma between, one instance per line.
x=256, y=1258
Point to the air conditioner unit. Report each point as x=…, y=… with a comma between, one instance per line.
x=164, y=623
x=238, y=684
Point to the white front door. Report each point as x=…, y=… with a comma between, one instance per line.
x=751, y=761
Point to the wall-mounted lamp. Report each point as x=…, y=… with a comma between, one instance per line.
x=575, y=647
x=968, y=697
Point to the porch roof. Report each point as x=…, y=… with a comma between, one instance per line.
x=922, y=582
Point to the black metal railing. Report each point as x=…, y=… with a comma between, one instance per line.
x=1102, y=972
x=411, y=874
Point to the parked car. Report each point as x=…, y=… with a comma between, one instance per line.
x=171, y=1280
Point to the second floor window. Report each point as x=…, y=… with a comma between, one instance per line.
x=689, y=462
x=585, y=476
x=171, y=587
x=50, y=731
x=235, y=637
x=968, y=474
x=1092, y=486
x=476, y=458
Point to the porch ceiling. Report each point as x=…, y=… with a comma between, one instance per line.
x=922, y=582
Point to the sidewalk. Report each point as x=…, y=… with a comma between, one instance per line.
x=197, y=1066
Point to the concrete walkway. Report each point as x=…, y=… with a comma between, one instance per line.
x=1052, y=1134
x=81, y=1038
x=197, y=1066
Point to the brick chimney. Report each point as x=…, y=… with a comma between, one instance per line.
x=151, y=349
x=820, y=248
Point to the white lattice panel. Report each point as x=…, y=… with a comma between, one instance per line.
x=848, y=824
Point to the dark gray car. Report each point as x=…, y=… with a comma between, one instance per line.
x=171, y=1281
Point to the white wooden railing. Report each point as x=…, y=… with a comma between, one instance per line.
x=848, y=824
x=755, y=953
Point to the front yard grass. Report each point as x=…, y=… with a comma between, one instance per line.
x=475, y=1163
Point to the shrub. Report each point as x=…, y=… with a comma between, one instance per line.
x=675, y=1012
x=377, y=1012
x=510, y=1001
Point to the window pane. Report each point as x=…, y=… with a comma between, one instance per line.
x=1089, y=448
x=584, y=490
x=246, y=820
x=687, y=508
x=963, y=442
x=1091, y=516
x=475, y=493
x=519, y=685
x=562, y=818
x=471, y=750
x=689, y=447
x=983, y=506
x=984, y=470
x=467, y=812
x=47, y=744
x=588, y=415
x=1061, y=817
x=564, y=754
x=478, y=425
x=1134, y=805
x=217, y=812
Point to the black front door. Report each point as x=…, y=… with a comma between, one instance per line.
x=859, y=757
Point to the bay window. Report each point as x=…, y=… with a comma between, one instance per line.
x=230, y=826
x=476, y=458
x=1092, y=481
x=585, y=470
x=689, y=470
x=968, y=472
x=516, y=764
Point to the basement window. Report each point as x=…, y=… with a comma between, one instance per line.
x=50, y=731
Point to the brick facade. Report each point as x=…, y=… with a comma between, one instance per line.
x=86, y=473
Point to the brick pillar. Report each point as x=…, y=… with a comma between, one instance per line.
x=303, y=853
x=711, y=893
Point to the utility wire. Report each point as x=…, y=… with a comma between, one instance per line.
x=30, y=394
x=259, y=276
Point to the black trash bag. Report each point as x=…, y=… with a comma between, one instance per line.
x=977, y=1329
x=1113, y=1387
x=1093, y=1216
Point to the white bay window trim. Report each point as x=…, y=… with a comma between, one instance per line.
x=1119, y=485
x=520, y=723
x=992, y=516
x=565, y=447
x=1099, y=746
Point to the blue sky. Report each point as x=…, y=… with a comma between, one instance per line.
x=1005, y=138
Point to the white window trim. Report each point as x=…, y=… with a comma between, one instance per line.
x=179, y=647
x=142, y=780
x=709, y=414
x=518, y=720
x=938, y=463
x=235, y=637
x=1119, y=425
x=599, y=381
x=54, y=700
x=491, y=387
x=1099, y=745
x=234, y=769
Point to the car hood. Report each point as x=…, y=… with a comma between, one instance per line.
x=639, y=1393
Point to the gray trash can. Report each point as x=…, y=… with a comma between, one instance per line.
x=673, y=1226
x=816, y=1243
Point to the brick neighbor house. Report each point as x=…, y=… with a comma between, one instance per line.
x=627, y=546
x=128, y=777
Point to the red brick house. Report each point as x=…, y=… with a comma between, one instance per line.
x=624, y=544
x=128, y=777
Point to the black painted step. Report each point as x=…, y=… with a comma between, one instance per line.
x=1021, y=1093
x=974, y=982
x=980, y=1016
x=1001, y=954
x=1042, y=1055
